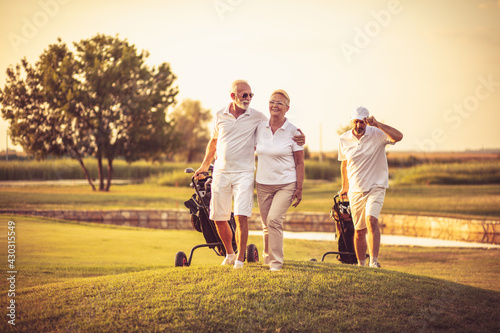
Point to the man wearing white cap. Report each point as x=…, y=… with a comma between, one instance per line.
x=365, y=178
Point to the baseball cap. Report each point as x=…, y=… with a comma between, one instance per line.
x=360, y=113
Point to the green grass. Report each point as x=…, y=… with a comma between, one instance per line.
x=326, y=170
x=137, y=196
x=470, y=172
x=303, y=298
x=462, y=200
x=93, y=278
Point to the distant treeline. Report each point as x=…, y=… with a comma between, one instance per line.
x=402, y=171
x=57, y=169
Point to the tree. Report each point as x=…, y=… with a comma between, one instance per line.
x=192, y=119
x=102, y=100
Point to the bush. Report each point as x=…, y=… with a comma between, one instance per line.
x=464, y=173
x=57, y=169
x=175, y=178
x=326, y=170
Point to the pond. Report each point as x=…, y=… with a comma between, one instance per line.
x=388, y=240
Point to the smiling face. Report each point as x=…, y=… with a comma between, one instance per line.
x=278, y=106
x=358, y=127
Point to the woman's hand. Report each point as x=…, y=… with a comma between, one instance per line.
x=297, y=196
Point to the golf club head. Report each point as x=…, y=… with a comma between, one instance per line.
x=189, y=170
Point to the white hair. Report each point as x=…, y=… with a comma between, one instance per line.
x=234, y=85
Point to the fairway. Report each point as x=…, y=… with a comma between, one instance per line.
x=122, y=276
x=442, y=200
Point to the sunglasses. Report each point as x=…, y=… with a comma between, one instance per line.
x=246, y=95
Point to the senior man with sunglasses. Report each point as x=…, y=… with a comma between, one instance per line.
x=233, y=145
x=365, y=177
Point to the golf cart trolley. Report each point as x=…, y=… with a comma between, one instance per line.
x=341, y=214
x=199, y=206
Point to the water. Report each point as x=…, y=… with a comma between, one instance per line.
x=387, y=240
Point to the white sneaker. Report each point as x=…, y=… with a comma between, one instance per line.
x=229, y=259
x=375, y=264
x=275, y=269
x=238, y=264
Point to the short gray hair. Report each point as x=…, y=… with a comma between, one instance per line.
x=235, y=84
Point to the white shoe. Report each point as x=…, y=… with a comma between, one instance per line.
x=375, y=264
x=229, y=259
x=275, y=269
x=238, y=264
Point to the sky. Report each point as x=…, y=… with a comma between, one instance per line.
x=430, y=68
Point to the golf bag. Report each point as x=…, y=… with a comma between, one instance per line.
x=341, y=213
x=199, y=207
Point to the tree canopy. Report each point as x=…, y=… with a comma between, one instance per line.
x=191, y=123
x=101, y=100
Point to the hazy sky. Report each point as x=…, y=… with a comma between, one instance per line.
x=430, y=68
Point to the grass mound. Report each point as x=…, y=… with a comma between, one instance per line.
x=470, y=173
x=304, y=297
x=95, y=278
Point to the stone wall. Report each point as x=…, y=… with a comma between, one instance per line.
x=482, y=230
x=158, y=219
x=476, y=230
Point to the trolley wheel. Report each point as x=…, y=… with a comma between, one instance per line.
x=313, y=259
x=252, y=253
x=180, y=259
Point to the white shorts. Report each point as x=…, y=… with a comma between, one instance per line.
x=225, y=186
x=365, y=204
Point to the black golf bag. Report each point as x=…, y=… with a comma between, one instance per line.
x=344, y=231
x=199, y=207
x=341, y=213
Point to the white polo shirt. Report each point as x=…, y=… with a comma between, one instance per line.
x=235, y=140
x=276, y=164
x=366, y=159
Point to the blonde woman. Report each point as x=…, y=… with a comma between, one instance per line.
x=280, y=175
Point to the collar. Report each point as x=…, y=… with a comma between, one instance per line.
x=246, y=113
x=283, y=127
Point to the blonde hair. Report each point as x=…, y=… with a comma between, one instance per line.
x=282, y=93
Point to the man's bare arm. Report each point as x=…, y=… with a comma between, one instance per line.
x=391, y=132
x=345, y=180
x=209, y=156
